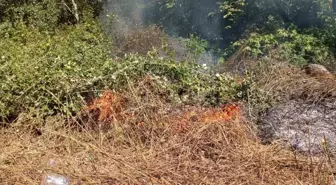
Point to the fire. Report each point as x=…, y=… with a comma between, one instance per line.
x=107, y=107
x=225, y=113
x=110, y=107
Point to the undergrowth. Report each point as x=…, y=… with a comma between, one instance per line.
x=287, y=45
x=66, y=67
x=46, y=70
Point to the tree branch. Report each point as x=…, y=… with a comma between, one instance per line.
x=74, y=11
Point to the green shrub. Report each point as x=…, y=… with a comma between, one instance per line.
x=41, y=69
x=287, y=45
x=43, y=15
x=195, y=46
x=47, y=14
x=186, y=82
x=55, y=71
x=49, y=68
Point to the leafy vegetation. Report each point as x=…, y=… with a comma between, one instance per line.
x=55, y=55
x=287, y=45
x=42, y=70
x=147, y=92
x=56, y=69
x=301, y=31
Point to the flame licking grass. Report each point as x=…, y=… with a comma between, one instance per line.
x=107, y=108
x=110, y=108
x=225, y=113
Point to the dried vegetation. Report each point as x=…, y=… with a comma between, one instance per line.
x=275, y=82
x=140, y=138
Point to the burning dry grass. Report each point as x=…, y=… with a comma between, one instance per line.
x=222, y=153
x=217, y=147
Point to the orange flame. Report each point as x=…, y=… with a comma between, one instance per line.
x=107, y=106
x=210, y=115
x=110, y=107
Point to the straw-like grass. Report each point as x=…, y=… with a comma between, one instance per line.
x=143, y=146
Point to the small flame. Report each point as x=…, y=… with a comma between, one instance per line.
x=108, y=106
x=226, y=113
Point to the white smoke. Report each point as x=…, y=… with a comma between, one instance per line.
x=130, y=15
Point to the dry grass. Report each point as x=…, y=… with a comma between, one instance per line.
x=222, y=153
x=285, y=78
x=277, y=82
x=217, y=147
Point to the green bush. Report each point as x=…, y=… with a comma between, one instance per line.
x=47, y=14
x=287, y=45
x=43, y=15
x=56, y=71
x=195, y=46
x=41, y=69
x=49, y=68
x=186, y=82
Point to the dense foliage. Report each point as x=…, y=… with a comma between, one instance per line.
x=54, y=54
x=49, y=65
x=303, y=26
x=42, y=69
x=49, y=11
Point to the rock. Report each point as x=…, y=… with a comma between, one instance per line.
x=302, y=125
x=319, y=71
